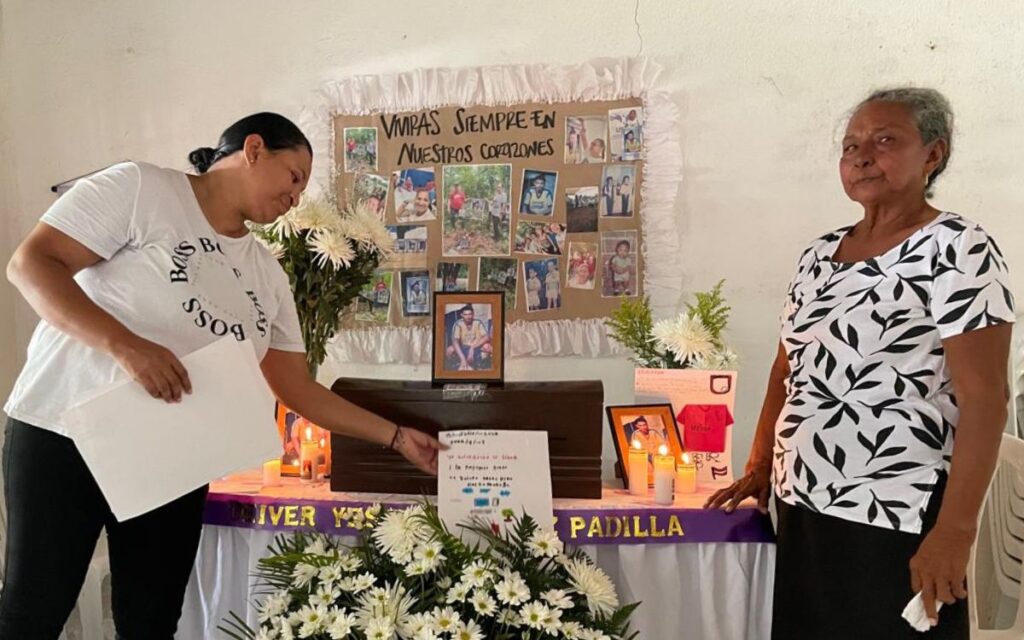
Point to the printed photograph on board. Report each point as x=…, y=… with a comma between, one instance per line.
x=586, y=139
x=538, y=196
x=360, y=149
x=619, y=264
x=581, y=209
x=543, y=285
x=627, y=133
x=617, y=182
x=477, y=211
x=415, y=195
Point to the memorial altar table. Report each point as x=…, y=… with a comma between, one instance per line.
x=701, y=575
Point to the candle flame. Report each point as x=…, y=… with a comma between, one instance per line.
x=686, y=458
x=636, y=444
x=323, y=442
x=309, y=434
x=662, y=450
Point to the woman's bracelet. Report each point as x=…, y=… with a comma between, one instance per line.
x=395, y=439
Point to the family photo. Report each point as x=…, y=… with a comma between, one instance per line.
x=540, y=238
x=360, y=149
x=619, y=264
x=477, y=210
x=415, y=195
x=371, y=191
x=543, y=285
x=617, y=181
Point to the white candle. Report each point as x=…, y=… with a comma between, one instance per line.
x=664, y=474
x=686, y=475
x=272, y=472
x=636, y=472
x=308, y=453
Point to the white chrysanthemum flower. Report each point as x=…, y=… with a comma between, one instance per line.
x=468, y=631
x=284, y=227
x=358, y=584
x=593, y=634
x=331, y=574
x=399, y=532
x=684, y=337
x=341, y=625
x=571, y=630
x=314, y=214
x=366, y=230
x=445, y=620
x=484, y=604
x=414, y=624
x=444, y=583
x=303, y=574
x=512, y=591
x=266, y=634
x=330, y=246
x=418, y=567
x=557, y=598
x=545, y=543
x=311, y=620
x=719, y=360
x=478, y=574
x=318, y=547
x=426, y=634
x=325, y=596
x=552, y=622
x=533, y=615
x=458, y=593
x=349, y=563
x=274, y=605
x=508, y=617
x=285, y=631
x=594, y=585
x=275, y=248
x=430, y=554
x=392, y=603
x=380, y=629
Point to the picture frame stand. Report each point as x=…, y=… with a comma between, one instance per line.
x=464, y=392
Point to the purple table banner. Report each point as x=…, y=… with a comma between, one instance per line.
x=575, y=526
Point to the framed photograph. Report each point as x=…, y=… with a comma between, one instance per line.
x=469, y=337
x=293, y=429
x=652, y=425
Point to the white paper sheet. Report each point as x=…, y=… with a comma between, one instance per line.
x=145, y=452
x=492, y=474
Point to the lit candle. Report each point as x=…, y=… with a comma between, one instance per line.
x=309, y=470
x=664, y=474
x=637, y=470
x=271, y=472
x=686, y=475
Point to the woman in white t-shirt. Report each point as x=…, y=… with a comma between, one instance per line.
x=130, y=270
x=895, y=336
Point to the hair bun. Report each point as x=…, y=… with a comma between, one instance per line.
x=202, y=158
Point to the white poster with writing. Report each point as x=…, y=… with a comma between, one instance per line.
x=494, y=476
x=702, y=403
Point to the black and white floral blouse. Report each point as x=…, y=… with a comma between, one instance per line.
x=867, y=429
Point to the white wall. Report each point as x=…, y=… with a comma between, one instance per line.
x=762, y=89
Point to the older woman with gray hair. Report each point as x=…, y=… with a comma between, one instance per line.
x=881, y=424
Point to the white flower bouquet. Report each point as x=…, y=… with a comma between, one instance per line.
x=691, y=340
x=409, y=578
x=329, y=253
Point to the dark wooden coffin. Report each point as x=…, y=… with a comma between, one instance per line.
x=571, y=413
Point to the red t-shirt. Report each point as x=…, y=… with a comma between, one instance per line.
x=457, y=200
x=704, y=426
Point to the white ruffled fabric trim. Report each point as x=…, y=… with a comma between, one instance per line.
x=609, y=79
x=412, y=345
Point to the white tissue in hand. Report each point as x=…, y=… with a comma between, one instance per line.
x=915, y=614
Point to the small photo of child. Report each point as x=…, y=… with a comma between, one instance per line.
x=619, y=264
x=627, y=133
x=582, y=269
x=586, y=139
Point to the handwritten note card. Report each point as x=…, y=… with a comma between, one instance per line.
x=494, y=475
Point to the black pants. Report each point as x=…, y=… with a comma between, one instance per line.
x=496, y=224
x=55, y=513
x=841, y=580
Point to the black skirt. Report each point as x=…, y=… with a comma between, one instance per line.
x=839, y=580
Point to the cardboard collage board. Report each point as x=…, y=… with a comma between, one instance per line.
x=540, y=200
x=703, y=403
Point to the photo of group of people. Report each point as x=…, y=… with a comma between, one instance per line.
x=582, y=268
x=539, y=238
x=581, y=209
x=360, y=149
x=371, y=191
x=477, y=211
x=617, y=190
x=543, y=284
x=593, y=139
x=627, y=133
x=415, y=195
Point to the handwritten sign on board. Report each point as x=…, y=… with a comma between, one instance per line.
x=494, y=476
